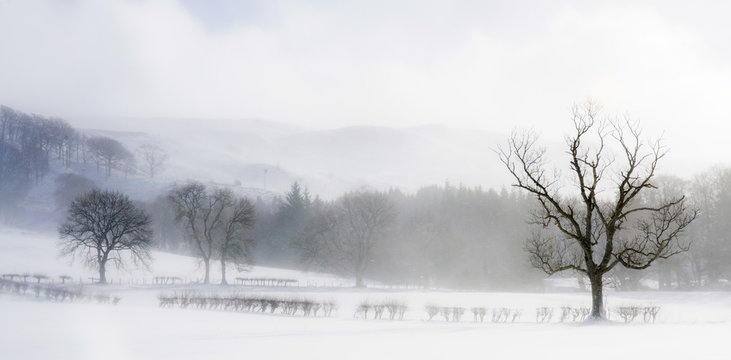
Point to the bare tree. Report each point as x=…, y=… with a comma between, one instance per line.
x=192, y=207
x=153, y=157
x=343, y=235
x=216, y=222
x=101, y=225
x=599, y=221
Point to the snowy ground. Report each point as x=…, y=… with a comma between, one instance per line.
x=690, y=324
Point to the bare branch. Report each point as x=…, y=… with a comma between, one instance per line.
x=552, y=255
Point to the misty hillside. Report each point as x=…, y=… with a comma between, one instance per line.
x=271, y=155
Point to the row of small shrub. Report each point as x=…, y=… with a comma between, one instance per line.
x=479, y=314
x=54, y=293
x=543, y=314
x=392, y=310
x=626, y=313
x=498, y=315
x=630, y=313
x=447, y=313
x=248, y=304
x=567, y=313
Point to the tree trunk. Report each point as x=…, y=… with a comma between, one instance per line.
x=597, y=297
x=103, y=272
x=207, y=263
x=223, y=272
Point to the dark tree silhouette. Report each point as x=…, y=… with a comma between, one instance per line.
x=287, y=223
x=100, y=226
x=199, y=215
x=216, y=222
x=600, y=221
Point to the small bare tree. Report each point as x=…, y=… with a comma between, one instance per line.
x=101, y=225
x=597, y=225
x=153, y=157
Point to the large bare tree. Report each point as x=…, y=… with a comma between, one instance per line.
x=596, y=215
x=101, y=225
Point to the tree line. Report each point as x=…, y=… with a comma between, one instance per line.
x=449, y=236
x=29, y=143
x=26, y=144
x=461, y=237
x=440, y=236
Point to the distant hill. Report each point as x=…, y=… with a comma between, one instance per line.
x=261, y=159
x=270, y=155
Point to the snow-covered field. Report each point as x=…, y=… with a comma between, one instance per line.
x=690, y=324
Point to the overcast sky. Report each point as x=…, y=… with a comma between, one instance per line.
x=468, y=64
